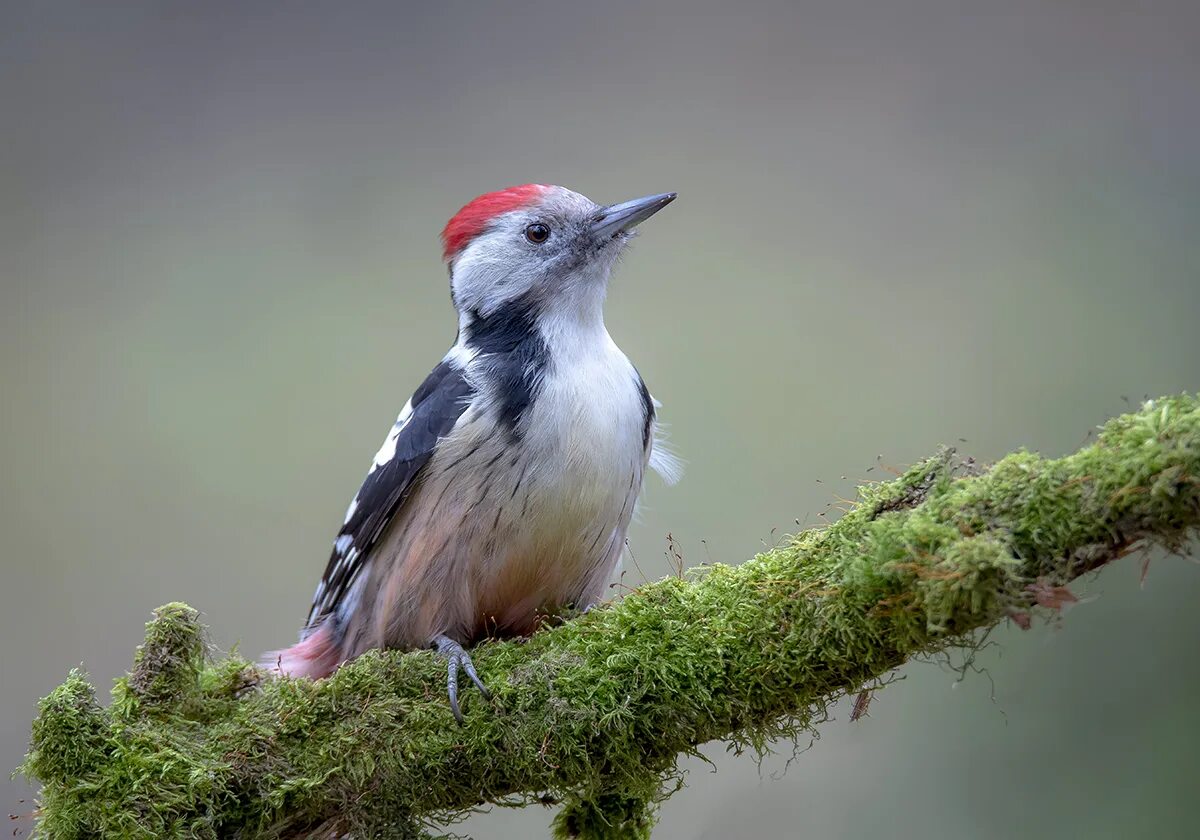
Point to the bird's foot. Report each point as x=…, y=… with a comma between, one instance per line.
x=457, y=657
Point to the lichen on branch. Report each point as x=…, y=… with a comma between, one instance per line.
x=595, y=712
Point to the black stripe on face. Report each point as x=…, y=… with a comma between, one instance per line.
x=516, y=355
x=513, y=324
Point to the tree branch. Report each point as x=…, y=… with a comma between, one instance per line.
x=595, y=712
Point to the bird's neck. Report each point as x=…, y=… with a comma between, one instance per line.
x=569, y=337
x=568, y=324
x=573, y=324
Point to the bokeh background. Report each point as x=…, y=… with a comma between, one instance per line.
x=899, y=224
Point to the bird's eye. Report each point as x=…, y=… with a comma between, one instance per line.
x=537, y=233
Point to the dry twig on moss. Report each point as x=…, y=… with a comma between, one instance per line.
x=596, y=711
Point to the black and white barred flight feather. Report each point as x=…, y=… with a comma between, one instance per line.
x=428, y=416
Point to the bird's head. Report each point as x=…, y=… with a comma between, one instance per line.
x=543, y=247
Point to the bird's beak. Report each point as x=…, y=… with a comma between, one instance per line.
x=617, y=218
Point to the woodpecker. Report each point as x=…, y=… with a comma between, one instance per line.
x=504, y=490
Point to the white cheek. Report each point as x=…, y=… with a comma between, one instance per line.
x=489, y=272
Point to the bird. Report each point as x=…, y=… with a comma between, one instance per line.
x=503, y=492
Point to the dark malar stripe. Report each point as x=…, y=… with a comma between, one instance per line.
x=516, y=355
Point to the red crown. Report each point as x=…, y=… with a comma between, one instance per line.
x=470, y=221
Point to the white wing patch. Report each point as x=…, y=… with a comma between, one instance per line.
x=388, y=451
x=461, y=355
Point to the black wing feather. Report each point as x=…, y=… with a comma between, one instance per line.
x=436, y=406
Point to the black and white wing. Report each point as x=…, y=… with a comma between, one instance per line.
x=428, y=416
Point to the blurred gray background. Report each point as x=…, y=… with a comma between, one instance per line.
x=899, y=224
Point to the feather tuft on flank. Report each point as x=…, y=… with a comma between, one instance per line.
x=663, y=459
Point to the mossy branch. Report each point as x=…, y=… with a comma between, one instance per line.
x=595, y=712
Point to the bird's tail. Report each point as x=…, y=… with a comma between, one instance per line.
x=315, y=656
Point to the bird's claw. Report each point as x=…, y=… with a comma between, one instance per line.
x=457, y=657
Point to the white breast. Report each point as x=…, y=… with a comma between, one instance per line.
x=588, y=422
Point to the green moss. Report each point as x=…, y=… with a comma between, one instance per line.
x=167, y=666
x=617, y=816
x=69, y=733
x=596, y=711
